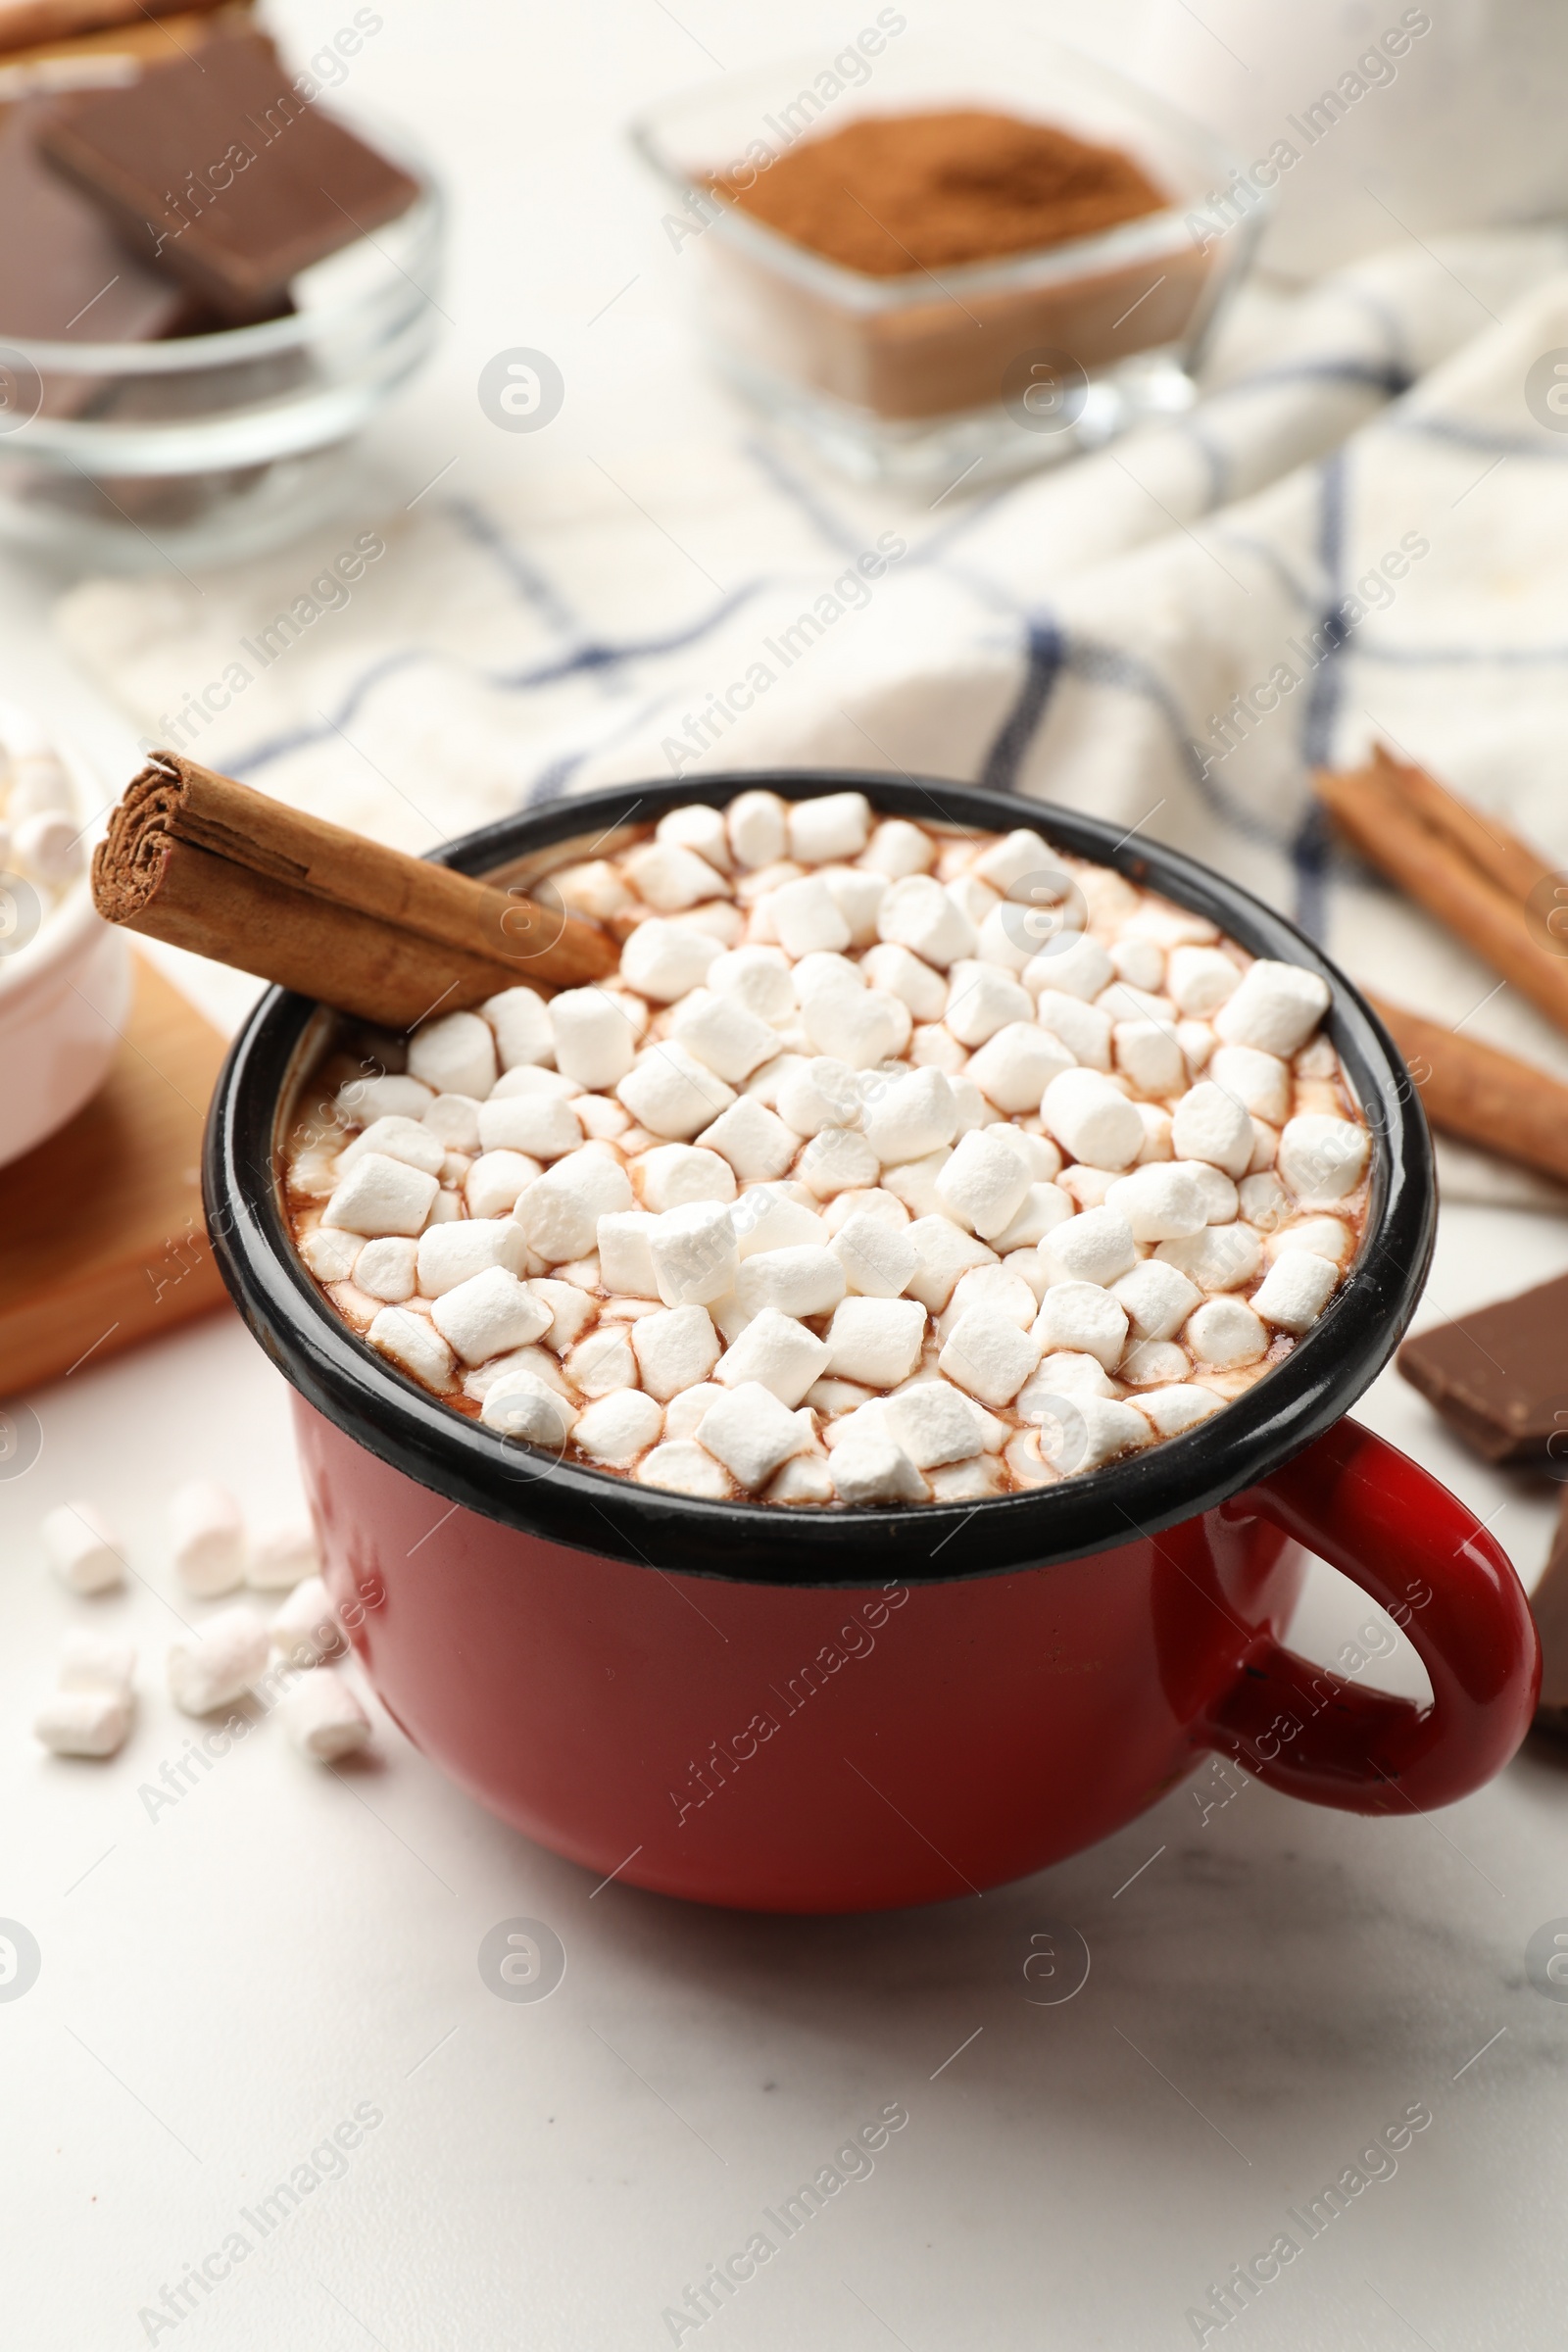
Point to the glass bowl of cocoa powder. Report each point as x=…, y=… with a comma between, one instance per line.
x=945, y=266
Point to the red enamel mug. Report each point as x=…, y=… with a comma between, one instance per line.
x=840, y=1710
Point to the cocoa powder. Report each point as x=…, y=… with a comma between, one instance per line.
x=896, y=193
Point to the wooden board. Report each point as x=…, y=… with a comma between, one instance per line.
x=102, y=1239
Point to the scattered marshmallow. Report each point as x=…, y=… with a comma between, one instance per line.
x=80, y=1549
x=323, y=1717
x=83, y=1722
x=281, y=1558
x=209, y=1538
x=307, y=1628
x=214, y=1667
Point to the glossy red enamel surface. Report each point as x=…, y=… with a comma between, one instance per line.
x=801, y=1749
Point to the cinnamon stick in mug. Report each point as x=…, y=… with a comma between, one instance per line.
x=203, y=862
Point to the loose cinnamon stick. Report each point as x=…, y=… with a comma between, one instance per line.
x=203, y=862
x=1475, y=876
x=1485, y=1098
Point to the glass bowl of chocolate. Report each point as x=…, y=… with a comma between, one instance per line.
x=219, y=283
x=946, y=265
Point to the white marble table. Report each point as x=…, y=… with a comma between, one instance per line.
x=228, y=1980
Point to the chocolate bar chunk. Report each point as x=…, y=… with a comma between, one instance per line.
x=1548, y=1605
x=1499, y=1377
x=224, y=173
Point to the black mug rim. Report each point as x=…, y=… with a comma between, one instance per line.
x=590, y=1510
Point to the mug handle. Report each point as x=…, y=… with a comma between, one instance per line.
x=1384, y=1522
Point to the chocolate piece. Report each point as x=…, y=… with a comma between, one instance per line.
x=1499, y=1377
x=1548, y=1605
x=222, y=172
x=28, y=23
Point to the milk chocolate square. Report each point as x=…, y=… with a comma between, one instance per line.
x=220, y=171
x=1499, y=1377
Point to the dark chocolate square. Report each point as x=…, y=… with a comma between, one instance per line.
x=220, y=171
x=1499, y=1377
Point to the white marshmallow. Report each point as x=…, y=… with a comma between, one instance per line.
x=619, y=1426
x=1321, y=1160
x=1262, y=1202
x=213, y=1668
x=1210, y=1124
x=805, y=917
x=1157, y=1296
x=684, y=1412
x=80, y=1549
x=694, y=1253
x=1087, y=1186
x=1222, y=1257
x=669, y=878
x=569, y=1309
x=1224, y=1333
x=671, y=1094
x=988, y=1355
x=752, y=1434
x=520, y=1020
x=982, y=999
x=207, y=1534
x=1008, y=937
x=1084, y=1030
x=1096, y=1245
x=307, y=1628
x=1295, y=1291
x=96, y=1662
x=1162, y=1202
x=1095, y=1431
x=362, y=1101
x=944, y=1252
x=935, y=1423
x=520, y=1405
x=323, y=1717
x=699, y=828
x=878, y=1259
x=755, y=1139
x=1156, y=1144
x=593, y=888
x=804, y=1478
x=1151, y=1057
x=966, y=1482
x=1152, y=1364
x=918, y=913
x=896, y=848
x=497, y=1182
x=1022, y=862
x=282, y=1557
x=455, y=1054
x=837, y=1160
x=863, y=1028
x=675, y=1350
x=543, y=1126
x=874, y=1469
x=777, y=1352
x=1139, y=960
x=674, y=1174
x=1181, y=1407
x=757, y=827
x=1259, y=1080
x=540, y=1365
x=768, y=1217
x=911, y=1116
x=723, y=1035
x=454, y=1120
x=1015, y=1066
x=1064, y=1373
x=1276, y=1008
x=529, y=1078
x=1197, y=980
x=876, y=1341
x=837, y=825
x=1325, y=1237
x=997, y=1287
x=407, y=1140
x=330, y=1253
x=663, y=960
x=858, y=896
x=1074, y=964
x=1043, y=1208
x=83, y=1722
x=1079, y=1319
x=381, y=1195
x=984, y=1183
x=603, y=1363
x=685, y=1468
x=903, y=975
x=913, y=1183
x=806, y=1281
x=1092, y=1119
x=448, y=1255
x=487, y=1314
x=1198, y=1042
x=625, y=1260
x=1219, y=1194
x=595, y=1042
x=760, y=978
x=411, y=1340
x=559, y=1212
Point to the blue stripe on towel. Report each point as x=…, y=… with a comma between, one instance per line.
x=1309, y=850
x=1043, y=648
